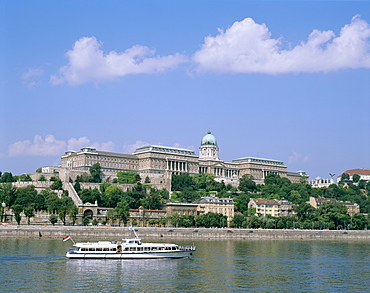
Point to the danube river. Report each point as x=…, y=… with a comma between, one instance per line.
x=39, y=265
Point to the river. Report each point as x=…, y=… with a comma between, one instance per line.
x=39, y=265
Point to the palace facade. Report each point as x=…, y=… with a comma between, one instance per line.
x=158, y=163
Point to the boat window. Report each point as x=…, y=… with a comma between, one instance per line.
x=131, y=241
x=147, y=248
x=140, y=248
x=91, y=249
x=126, y=249
x=173, y=247
x=112, y=249
x=105, y=249
x=168, y=248
x=99, y=249
x=83, y=249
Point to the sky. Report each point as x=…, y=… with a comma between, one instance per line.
x=282, y=80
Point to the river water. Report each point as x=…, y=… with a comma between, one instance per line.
x=39, y=265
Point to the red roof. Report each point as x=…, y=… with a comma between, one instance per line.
x=266, y=201
x=357, y=171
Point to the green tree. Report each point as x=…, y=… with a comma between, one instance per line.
x=182, y=182
x=238, y=221
x=17, y=210
x=95, y=172
x=246, y=184
x=42, y=178
x=356, y=178
x=29, y=213
x=53, y=218
x=52, y=202
x=122, y=211
x=25, y=178
x=304, y=211
x=111, y=196
x=26, y=196
x=85, y=221
x=72, y=213
x=128, y=177
x=345, y=176
x=147, y=180
x=7, y=177
x=332, y=214
x=8, y=193
x=65, y=205
x=57, y=184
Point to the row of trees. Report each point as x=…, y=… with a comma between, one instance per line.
x=328, y=216
x=29, y=201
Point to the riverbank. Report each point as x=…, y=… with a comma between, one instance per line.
x=104, y=232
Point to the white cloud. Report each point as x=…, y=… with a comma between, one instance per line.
x=247, y=47
x=178, y=145
x=38, y=147
x=88, y=63
x=31, y=77
x=297, y=157
x=49, y=146
x=130, y=148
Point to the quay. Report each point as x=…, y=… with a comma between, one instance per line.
x=58, y=232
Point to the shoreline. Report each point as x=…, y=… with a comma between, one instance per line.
x=104, y=232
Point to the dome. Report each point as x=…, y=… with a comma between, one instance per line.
x=209, y=139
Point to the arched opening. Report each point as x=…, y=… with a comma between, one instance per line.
x=88, y=214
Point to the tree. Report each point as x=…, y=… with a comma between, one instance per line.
x=17, y=210
x=111, y=196
x=246, y=183
x=152, y=201
x=72, y=213
x=25, y=178
x=122, y=211
x=8, y=193
x=52, y=202
x=57, y=184
x=182, y=182
x=332, y=214
x=65, y=204
x=53, y=218
x=128, y=177
x=304, y=211
x=345, y=176
x=42, y=178
x=95, y=172
x=7, y=177
x=356, y=178
x=90, y=195
x=238, y=221
x=29, y=213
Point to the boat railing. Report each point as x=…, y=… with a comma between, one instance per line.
x=188, y=248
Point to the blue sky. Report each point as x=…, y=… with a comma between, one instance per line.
x=284, y=80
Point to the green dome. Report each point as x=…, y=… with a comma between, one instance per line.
x=209, y=139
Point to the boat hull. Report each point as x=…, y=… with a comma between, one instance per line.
x=149, y=255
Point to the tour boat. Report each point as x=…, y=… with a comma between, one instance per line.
x=132, y=248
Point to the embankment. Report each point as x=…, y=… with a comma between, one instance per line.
x=106, y=233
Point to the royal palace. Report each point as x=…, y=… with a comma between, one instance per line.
x=158, y=163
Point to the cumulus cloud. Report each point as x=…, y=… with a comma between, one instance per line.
x=247, y=47
x=130, y=148
x=88, y=63
x=178, y=145
x=297, y=157
x=31, y=77
x=50, y=146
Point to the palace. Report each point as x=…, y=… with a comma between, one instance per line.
x=158, y=163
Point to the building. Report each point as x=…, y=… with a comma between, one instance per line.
x=158, y=163
x=213, y=204
x=352, y=208
x=265, y=207
x=363, y=173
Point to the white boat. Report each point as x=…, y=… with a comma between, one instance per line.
x=132, y=248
